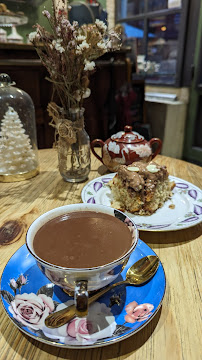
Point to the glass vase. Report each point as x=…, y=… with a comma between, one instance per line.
x=74, y=147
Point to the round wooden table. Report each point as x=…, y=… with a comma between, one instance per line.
x=174, y=333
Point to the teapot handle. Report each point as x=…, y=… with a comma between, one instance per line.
x=158, y=149
x=93, y=144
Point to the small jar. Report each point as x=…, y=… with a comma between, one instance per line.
x=18, y=141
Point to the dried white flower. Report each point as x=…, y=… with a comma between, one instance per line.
x=59, y=48
x=101, y=25
x=46, y=14
x=57, y=45
x=101, y=45
x=58, y=30
x=84, y=93
x=80, y=48
x=78, y=51
x=87, y=93
x=84, y=45
x=33, y=35
x=80, y=38
x=89, y=65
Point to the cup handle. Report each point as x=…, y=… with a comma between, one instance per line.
x=81, y=298
x=93, y=144
x=158, y=149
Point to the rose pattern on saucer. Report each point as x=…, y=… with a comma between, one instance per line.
x=99, y=324
x=17, y=284
x=137, y=312
x=29, y=310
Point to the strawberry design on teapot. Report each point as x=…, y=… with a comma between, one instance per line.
x=125, y=147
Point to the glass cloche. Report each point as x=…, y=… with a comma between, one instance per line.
x=18, y=141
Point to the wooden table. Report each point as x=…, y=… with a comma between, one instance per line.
x=174, y=333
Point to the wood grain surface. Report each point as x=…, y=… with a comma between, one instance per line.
x=174, y=333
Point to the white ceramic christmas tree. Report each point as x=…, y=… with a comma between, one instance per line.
x=16, y=153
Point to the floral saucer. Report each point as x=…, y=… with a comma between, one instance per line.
x=182, y=211
x=28, y=297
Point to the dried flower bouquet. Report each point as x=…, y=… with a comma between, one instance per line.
x=68, y=52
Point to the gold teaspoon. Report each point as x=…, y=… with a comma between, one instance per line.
x=139, y=273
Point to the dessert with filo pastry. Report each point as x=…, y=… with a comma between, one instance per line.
x=141, y=187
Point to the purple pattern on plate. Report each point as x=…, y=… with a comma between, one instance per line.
x=97, y=185
x=193, y=193
x=181, y=185
x=197, y=209
x=158, y=226
x=193, y=218
x=91, y=200
x=106, y=180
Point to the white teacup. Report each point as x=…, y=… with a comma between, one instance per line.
x=81, y=280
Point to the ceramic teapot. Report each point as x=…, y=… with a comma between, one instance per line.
x=125, y=147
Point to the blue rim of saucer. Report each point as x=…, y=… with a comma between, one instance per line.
x=115, y=306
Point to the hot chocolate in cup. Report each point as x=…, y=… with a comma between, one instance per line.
x=82, y=247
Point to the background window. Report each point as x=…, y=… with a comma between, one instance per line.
x=129, y=8
x=155, y=30
x=162, y=47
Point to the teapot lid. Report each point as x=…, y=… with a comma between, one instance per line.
x=127, y=136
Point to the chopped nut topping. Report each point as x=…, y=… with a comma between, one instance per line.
x=133, y=168
x=152, y=168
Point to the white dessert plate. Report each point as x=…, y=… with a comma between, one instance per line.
x=182, y=211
